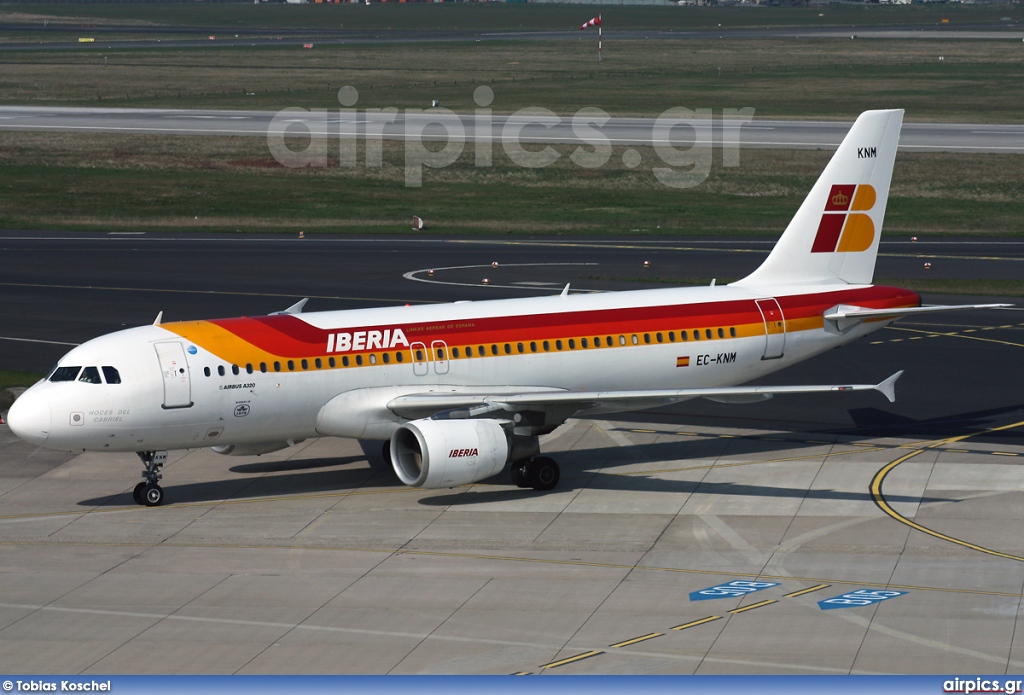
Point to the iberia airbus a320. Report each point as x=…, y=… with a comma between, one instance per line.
x=462, y=391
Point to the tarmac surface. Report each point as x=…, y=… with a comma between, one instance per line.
x=445, y=126
x=881, y=538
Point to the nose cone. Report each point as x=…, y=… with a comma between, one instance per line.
x=29, y=418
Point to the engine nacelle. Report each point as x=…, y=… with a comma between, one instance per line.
x=254, y=449
x=448, y=453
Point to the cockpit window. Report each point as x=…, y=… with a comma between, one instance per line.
x=65, y=373
x=111, y=375
x=90, y=375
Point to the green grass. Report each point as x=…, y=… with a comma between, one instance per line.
x=501, y=16
x=978, y=81
x=14, y=379
x=153, y=183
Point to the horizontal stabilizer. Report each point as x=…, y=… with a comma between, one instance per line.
x=846, y=316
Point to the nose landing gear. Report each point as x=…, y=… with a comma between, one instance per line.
x=149, y=491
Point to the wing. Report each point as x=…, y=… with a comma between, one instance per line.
x=570, y=403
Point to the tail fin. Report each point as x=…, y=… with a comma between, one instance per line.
x=833, y=238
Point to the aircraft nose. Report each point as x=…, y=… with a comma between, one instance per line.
x=29, y=418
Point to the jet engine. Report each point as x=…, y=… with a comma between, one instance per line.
x=447, y=453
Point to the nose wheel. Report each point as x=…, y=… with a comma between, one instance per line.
x=149, y=492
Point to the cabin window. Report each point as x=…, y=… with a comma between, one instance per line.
x=732, y=331
x=696, y=335
x=359, y=360
x=235, y=370
x=469, y=350
x=547, y=346
x=248, y=369
x=583, y=342
x=558, y=344
x=331, y=362
x=533, y=347
x=622, y=339
x=399, y=356
x=291, y=365
x=520, y=348
x=305, y=364
x=707, y=333
x=455, y=353
x=481, y=351
x=609, y=341
x=206, y=371
x=721, y=332
x=90, y=375
x=277, y=366
x=220, y=370
x=440, y=353
x=373, y=359
x=419, y=355
x=572, y=344
x=494, y=349
x=344, y=361
x=671, y=336
x=386, y=357
x=684, y=335
x=647, y=338
x=658, y=337
x=263, y=367
x=319, y=363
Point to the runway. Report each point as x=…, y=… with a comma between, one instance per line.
x=880, y=538
x=526, y=128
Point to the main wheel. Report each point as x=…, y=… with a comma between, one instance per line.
x=519, y=474
x=542, y=473
x=154, y=495
x=138, y=492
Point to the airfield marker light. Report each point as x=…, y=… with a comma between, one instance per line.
x=486, y=281
x=647, y=264
x=302, y=235
x=430, y=273
x=494, y=264
x=913, y=238
x=927, y=266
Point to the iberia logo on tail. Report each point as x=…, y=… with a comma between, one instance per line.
x=844, y=226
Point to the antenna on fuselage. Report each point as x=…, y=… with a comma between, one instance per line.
x=159, y=319
x=295, y=308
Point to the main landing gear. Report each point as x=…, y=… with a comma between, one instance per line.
x=149, y=492
x=540, y=473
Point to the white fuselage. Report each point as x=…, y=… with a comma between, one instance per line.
x=257, y=381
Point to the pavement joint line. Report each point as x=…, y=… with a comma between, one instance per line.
x=572, y=659
x=744, y=609
x=507, y=558
x=635, y=640
x=880, y=501
x=695, y=623
x=808, y=590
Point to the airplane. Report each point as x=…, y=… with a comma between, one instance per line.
x=460, y=392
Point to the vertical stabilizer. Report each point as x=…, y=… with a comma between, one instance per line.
x=833, y=238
